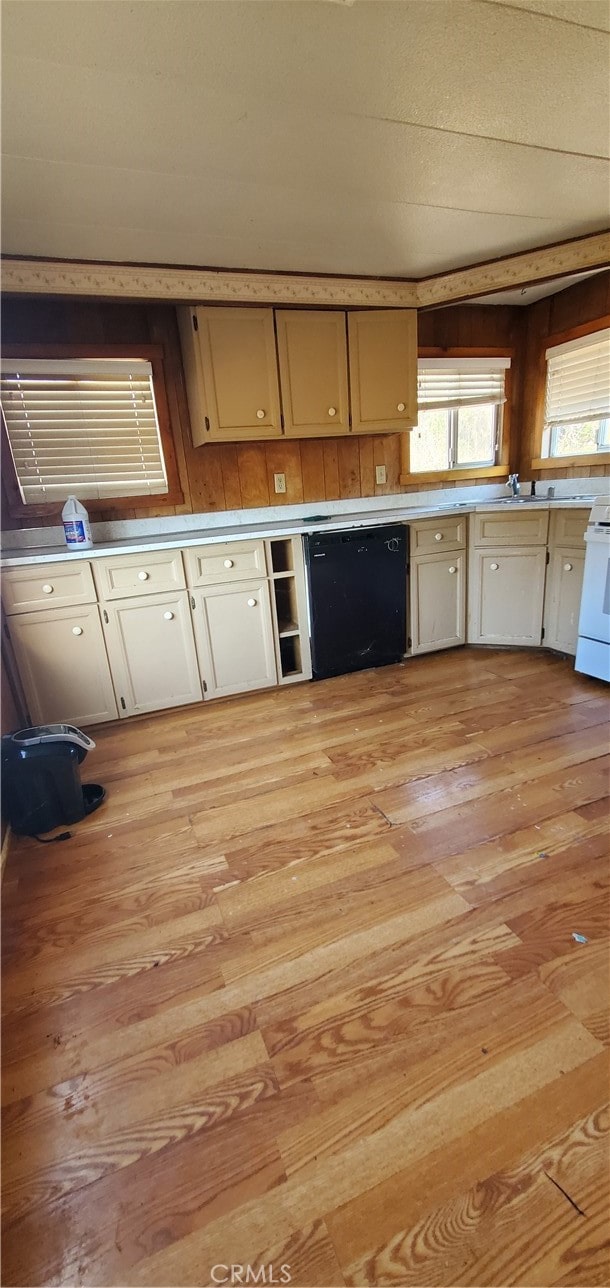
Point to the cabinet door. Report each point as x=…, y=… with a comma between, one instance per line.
x=506, y=589
x=234, y=637
x=232, y=357
x=437, y=599
x=152, y=652
x=63, y=666
x=562, y=599
x=383, y=369
x=312, y=349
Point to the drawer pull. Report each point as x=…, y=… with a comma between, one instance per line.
x=77, y=630
x=494, y=567
x=228, y=563
x=251, y=603
x=452, y=569
x=169, y=617
x=47, y=590
x=438, y=536
x=332, y=411
x=400, y=407
x=567, y=567
x=143, y=576
x=260, y=415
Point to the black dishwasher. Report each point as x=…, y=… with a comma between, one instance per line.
x=357, y=598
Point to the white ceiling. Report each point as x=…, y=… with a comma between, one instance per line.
x=395, y=138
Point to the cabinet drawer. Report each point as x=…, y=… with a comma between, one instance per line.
x=145, y=574
x=56, y=585
x=568, y=527
x=228, y=561
x=434, y=535
x=522, y=527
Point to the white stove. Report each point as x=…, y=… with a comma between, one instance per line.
x=593, y=650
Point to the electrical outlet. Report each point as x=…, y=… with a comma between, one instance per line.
x=279, y=482
x=380, y=474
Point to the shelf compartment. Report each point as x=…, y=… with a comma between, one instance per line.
x=290, y=655
x=286, y=603
x=282, y=556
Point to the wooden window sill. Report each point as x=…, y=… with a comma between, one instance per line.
x=485, y=471
x=568, y=462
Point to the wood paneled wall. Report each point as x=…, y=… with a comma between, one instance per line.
x=229, y=477
x=583, y=303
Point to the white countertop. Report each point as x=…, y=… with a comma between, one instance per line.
x=19, y=556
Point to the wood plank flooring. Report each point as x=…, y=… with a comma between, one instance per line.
x=305, y=991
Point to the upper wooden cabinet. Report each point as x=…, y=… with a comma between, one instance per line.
x=231, y=374
x=383, y=369
x=231, y=368
x=312, y=352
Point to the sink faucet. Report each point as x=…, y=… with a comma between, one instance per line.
x=512, y=483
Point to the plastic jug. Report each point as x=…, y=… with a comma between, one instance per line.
x=77, y=529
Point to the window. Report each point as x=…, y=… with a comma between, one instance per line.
x=82, y=426
x=460, y=413
x=577, y=410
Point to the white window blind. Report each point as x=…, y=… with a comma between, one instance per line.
x=87, y=428
x=460, y=382
x=578, y=380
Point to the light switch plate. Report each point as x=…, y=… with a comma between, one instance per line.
x=380, y=474
x=279, y=482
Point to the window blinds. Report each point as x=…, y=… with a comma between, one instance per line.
x=460, y=382
x=82, y=427
x=578, y=380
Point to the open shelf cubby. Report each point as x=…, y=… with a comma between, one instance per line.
x=282, y=557
x=289, y=606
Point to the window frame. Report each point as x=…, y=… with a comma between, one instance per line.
x=588, y=459
x=97, y=507
x=461, y=473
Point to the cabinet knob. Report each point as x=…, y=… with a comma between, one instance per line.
x=332, y=411
x=438, y=536
x=260, y=415
x=143, y=576
x=452, y=569
x=77, y=630
x=169, y=617
x=494, y=567
x=47, y=590
x=400, y=406
x=567, y=567
x=251, y=603
x=228, y=563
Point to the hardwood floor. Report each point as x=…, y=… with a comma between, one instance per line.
x=305, y=991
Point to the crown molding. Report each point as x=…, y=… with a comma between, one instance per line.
x=524, y=269
x=199, y=285
x=226, y=286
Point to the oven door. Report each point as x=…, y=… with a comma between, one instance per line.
x=594, y=621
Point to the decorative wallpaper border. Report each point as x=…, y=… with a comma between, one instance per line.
x=225, y=286
x=199, y=285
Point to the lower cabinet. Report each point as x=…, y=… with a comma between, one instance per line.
x=437, y=602
x=562, y=599
x=234, y=635
x=506, y=590
x=152, y=652
x=63, y=665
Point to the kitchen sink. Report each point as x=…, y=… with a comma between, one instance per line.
x=523, y=500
